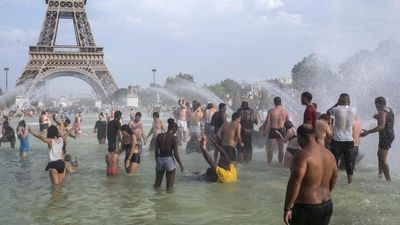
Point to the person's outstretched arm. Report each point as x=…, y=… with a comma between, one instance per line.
x=206, y=156
x=221, y=151
x=40, y=137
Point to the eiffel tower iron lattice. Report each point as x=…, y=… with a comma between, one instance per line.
x=84, y=60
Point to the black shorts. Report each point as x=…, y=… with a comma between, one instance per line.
x=312, y=214
x=58, y=165
x=273, y=135
x=231, y=151
x=43, y=127
x=134, y=159
x=385, y=141
x=345, y=148
x=292, y=151
x=247, y=138
x=112, y=146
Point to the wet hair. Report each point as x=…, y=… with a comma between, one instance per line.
x=380, y=101
x=6, y=123
x=127, y=129
x=288, y=124
x=235, y=116
x=101, y=114
x=138, y=114
x=22, y=123
x=210, y=106
x=67, y=121
x=221, y=106
x=324, y=117
x=52, y=132
x=344, y=99
x=307, y=95
x=172, y=124
x=277, y=101
x=244, y=105
x=156, y=115
x=305, y=130
x=43, y=113
x=117, y=114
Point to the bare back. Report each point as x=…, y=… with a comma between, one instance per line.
x=277, y=117
x=323, y=131
x=230, y=133
x=318, y=167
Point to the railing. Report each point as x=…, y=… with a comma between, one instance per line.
x=65, y=49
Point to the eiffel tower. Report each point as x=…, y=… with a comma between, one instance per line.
x=84, y=60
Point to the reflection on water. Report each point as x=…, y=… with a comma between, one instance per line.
x=90, y=197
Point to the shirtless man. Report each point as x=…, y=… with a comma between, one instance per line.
x=196, y=116
x=137, y=127
x=230, y=137
x=323, y=127
x=156, y=129
x=275, y=121
x=313, y=177
x=182, y=123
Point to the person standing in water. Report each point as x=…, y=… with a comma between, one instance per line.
x=77, y=123
x=230, y=136
x=23, y=134
x=293, y=145
x=165, y=152
x=217, y=120
x=113, y=135
x=275, y=121
x=182, y=120
x=129, y=145
x=156, y=129
x=248, y=120
x=138, y=129
x=310, y=114
x=343, y=142
x=55, y=142
x=100, y=129
x=385, y=119
x=324, y=131
x=312, y=178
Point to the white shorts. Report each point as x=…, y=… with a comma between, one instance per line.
x=182, y=124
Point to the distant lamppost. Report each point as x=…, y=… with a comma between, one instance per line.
x=154, y=77
x=6, y=69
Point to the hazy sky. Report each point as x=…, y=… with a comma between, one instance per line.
x=212, y=39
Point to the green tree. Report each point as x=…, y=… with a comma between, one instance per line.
x=180, y=77
x=313, y=74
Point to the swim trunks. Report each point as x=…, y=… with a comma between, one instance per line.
x=231, y=151
x=273, y=135
x=312, y=214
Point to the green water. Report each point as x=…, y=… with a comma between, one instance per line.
x=90, y=197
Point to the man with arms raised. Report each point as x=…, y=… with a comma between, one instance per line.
x=182, y=123
x=312, y=179
x=275, y=121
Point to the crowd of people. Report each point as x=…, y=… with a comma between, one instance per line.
x=312, y=153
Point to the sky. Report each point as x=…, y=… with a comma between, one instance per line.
x=246, y=40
